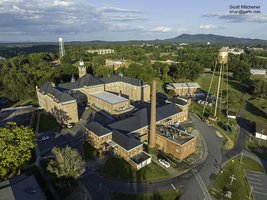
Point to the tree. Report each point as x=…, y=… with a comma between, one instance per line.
x=67, y=164
x=16, y=143
x=242, y=72
x=259, y=88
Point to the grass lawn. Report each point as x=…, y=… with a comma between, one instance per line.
x=239, y=187
x=257, y=110
x=88, y=151
x=163, y=195
x=120, y=169
x=253, y=147
x=47, y=123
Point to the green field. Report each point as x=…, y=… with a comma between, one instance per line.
x=163, y=195
x=256, y=108
x=239, y=187
x=120, y=169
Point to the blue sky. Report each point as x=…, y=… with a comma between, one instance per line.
x=77, y=20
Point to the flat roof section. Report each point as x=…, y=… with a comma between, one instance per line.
x=109, y=97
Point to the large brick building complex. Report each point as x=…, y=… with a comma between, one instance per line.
x=130, y=129
x=111, y=95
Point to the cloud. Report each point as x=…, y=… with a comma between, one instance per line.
x=239, y=18
x=110, y=9
x=210, y=27
x=162, y=29
x=54, y=17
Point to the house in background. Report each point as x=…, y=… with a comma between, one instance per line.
x=261, y=131
x=255, y=71
x=231, y=115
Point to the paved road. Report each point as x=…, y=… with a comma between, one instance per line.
x=242, y=135
x=198, y=180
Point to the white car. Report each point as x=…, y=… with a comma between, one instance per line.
x=164, y=163
x=69, y=126
x=44, y=138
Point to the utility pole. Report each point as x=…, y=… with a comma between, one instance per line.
x=250, y=194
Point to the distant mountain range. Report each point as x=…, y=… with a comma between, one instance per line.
x=184, y=38
x=213, y=39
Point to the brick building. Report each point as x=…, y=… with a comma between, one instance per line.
x=122, y=145
x=183, y=89
x=61, y=105
x=111, y=95
x=138, y=126
x=116, y=64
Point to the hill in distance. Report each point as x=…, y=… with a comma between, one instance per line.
x=214, y=39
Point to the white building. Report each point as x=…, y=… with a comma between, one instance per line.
x=235, y=51
x=261, y=131
x=257, y=71
x=101, y=51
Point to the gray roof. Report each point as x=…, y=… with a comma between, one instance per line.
x=86, y=80
x=48, y=89
x=97, y=128
x=130, y=80
x=141, y=118
x=109, y=97
x=21, y=188
x=90, y=80
x=178, y=101
x=125, y=141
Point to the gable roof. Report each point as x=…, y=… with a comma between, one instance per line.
x=57, y=95
x=97, y=128
x=125, y=141
x=141, y=118
x=129, y=80
x=86, y=80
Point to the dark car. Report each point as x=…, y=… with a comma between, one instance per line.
x=226, y=127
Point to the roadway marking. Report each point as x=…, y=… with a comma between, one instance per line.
x=254, y=183
x=254, y=178
x=258, y=188
x=260, y=193
x=202, y=184
x=173, y=187
x=250, y=174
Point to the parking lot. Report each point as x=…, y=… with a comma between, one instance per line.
x=258, y=181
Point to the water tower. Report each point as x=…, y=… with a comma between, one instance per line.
x=220, y=65
x=61, y=47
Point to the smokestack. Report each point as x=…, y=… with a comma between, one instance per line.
x=152, y=134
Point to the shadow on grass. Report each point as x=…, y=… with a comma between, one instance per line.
x=255, y=110
x=242, y=87
x=246, y=124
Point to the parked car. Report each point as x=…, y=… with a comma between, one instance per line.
x=164, y=163
x=69, y=125
x=44, y=138
x=226, y=127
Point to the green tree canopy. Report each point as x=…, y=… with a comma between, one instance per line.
x=67, y=164
x=16, y=143
x=242, y=72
